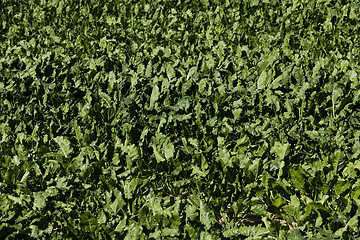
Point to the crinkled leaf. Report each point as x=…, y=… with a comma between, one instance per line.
x=154, y=96
x=64, y=145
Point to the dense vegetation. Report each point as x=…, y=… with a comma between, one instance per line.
x=179, y=119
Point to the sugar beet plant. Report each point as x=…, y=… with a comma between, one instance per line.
x=182, y=119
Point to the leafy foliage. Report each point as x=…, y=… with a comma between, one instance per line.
x=168, y=119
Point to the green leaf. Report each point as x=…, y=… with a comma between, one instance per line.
x=169, y=232
x=296, y=235
x=102, y=217
x=231, y=232
x=105, y=98
x=297, y=178
x=335, y=159
x=112, y=79
x=64, y=145
x=254, y=3
x=158, y=157
x=262, y=81
x=92, y=64
x=353, y=223
x=169, y=150
x=148, y=71
x=259, y=209
x=279, y=202
x=132, y=154
x=130, y=188
x=341, y=186
x=170, y=71
x=224, y=156
x=192, y=71
x=280, y=149
x=191, y=212
x=154, y=96
x=205, y=215
x=121, y=226
x=337, y=92
x=253, y=231
x=39, y=200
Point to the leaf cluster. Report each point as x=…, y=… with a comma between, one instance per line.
x=167, y=119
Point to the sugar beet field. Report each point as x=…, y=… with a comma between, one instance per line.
x=208, y=119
